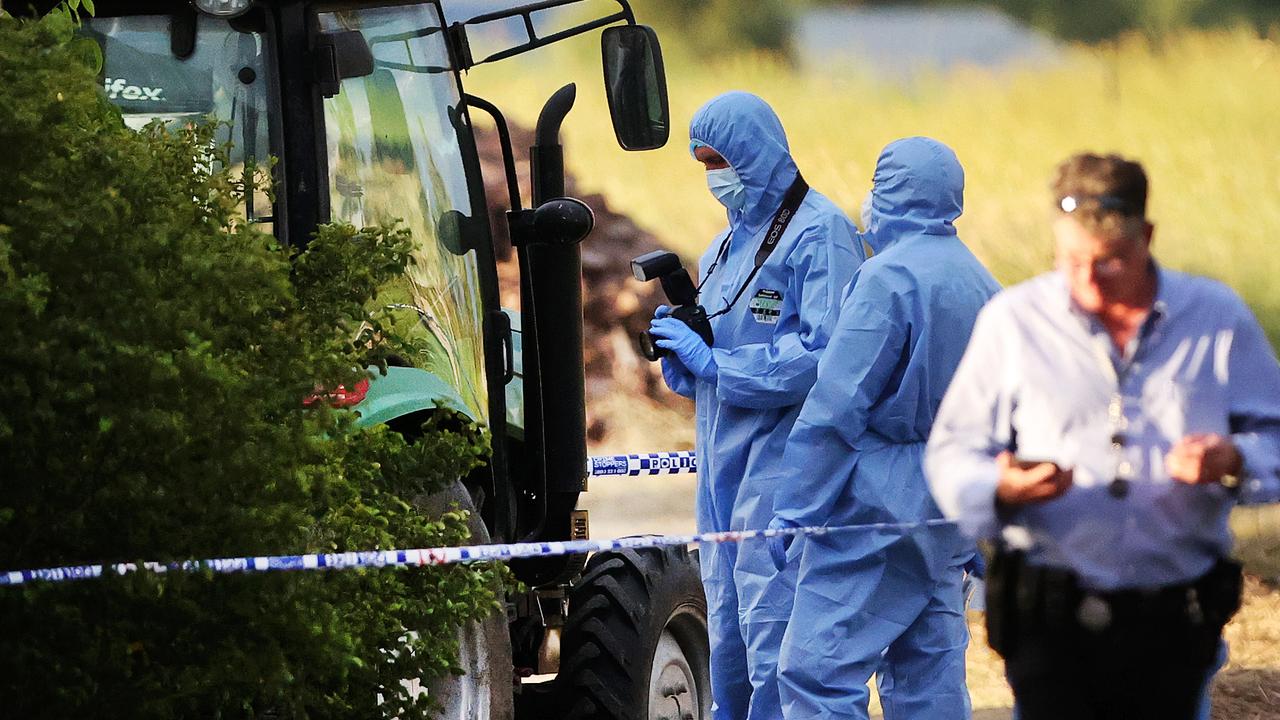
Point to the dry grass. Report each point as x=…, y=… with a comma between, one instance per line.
x=1257, y=531
x=1248, y=688
x=1199, y=111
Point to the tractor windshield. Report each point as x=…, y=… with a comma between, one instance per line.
x=394, y=153
x=222, y=78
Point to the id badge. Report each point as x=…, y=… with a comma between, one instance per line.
x=766, y=306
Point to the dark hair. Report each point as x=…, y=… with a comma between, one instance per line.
x=1104, y=192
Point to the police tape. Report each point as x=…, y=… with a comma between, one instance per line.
x=430, y=556
x=655, y=463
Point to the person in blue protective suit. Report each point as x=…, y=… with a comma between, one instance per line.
x=886, y=602
x=772, y=306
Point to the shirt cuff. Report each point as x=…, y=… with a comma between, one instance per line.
x=979, y=515
x=1258, y=479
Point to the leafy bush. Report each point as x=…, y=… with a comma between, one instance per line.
x=156, y=352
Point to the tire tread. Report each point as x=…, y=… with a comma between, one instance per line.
x=607, y=630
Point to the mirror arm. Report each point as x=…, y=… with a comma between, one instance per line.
x=504, y=139
x=534, y=42
x=526, y=10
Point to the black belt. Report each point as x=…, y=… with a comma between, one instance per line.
x=1025, y=598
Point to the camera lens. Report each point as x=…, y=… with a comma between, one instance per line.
x=648, y=349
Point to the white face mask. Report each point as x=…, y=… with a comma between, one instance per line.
x=727, y=187
x=866, y=213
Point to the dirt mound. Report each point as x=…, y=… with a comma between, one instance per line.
x=616, y=307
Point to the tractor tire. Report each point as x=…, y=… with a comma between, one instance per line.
x=485, y=691
x=635, y=643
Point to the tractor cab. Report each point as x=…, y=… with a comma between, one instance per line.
x=355, y=112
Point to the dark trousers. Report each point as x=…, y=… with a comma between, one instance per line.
x=1128, y=655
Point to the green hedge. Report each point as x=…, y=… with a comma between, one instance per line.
x=156, y=352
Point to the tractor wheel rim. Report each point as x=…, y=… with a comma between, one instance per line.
x=465, y=697
x=677, y=689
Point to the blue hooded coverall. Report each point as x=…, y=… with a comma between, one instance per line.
x=766, y=353
x=884, y=602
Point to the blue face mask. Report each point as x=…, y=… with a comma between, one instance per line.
x=727, y=187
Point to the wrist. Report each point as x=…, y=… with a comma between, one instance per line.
x=1006, y=495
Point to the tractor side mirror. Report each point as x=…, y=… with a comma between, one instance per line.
x=636, y=85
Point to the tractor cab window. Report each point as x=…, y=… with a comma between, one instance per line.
x=395, y=154
x=222, y=79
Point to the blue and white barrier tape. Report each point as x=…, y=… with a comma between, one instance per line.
x=425, y=556
x=656, y=463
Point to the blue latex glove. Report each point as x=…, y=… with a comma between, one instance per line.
x=674, y=373
x=972, y=585
x=973, y=590
x=677, y=376
x=687, y=345
x=977, y=566
x=778, y=545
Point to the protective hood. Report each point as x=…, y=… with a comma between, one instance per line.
x=918, y=190
x=746, y=131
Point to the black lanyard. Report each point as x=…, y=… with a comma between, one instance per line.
x=790, y=203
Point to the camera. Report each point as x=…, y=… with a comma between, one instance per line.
x=665, y=266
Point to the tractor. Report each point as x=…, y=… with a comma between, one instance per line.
x=357, y=113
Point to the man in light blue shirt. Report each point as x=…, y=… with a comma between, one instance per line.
x=1103, y=422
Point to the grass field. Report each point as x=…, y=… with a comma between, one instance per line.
x=1199, y=111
